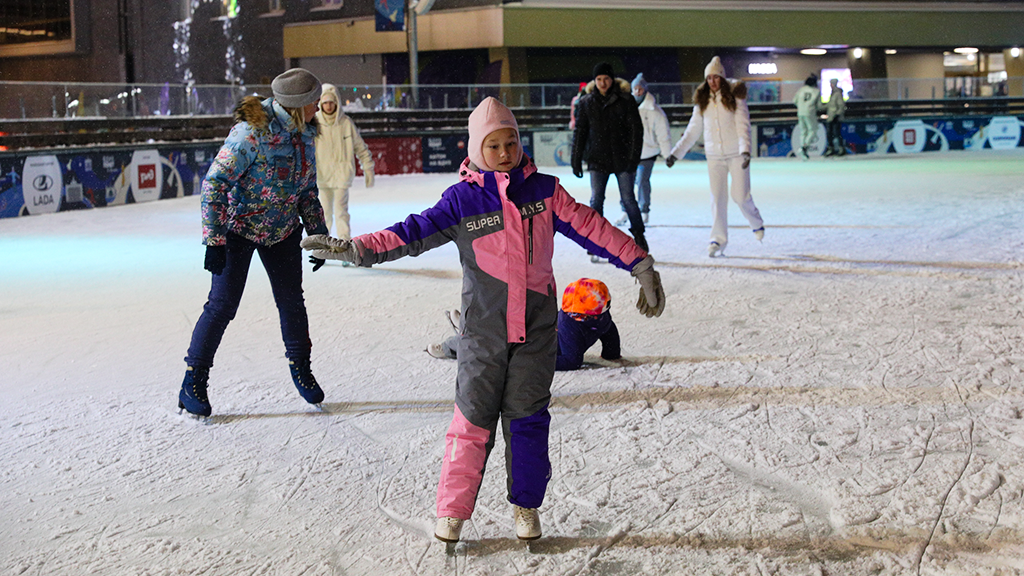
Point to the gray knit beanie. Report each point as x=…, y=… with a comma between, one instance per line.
x=296, y=88
x=639, y=81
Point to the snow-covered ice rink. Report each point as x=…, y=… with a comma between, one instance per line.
x=845, y=398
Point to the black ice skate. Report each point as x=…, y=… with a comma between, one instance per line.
x=193, y=391
x=305, y=382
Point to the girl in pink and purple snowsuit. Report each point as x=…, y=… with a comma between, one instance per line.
x=502, y=215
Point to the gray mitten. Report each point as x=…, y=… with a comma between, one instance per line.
x=324, y=242
x=652, y=296
x=328, y=248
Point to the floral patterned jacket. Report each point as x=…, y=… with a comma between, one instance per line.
x=263, y=180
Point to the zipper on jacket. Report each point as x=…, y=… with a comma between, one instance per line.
x=530, y=235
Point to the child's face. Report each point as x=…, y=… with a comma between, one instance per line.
x=501, y=150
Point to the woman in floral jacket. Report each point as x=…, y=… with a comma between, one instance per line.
x=259, y=193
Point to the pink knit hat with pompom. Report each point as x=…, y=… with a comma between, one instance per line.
x=489, y=116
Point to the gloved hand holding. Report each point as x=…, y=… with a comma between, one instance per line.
x=746, y=160
x=369, y=178
x=577, y=171
x=327, y=248
x=316, y=262
x=324, y=242
x=670, y=161
x=652, y=296
x=216, y=259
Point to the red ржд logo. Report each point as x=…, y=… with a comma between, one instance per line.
x=147, y=176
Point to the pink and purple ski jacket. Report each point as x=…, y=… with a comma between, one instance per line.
x=504, y=226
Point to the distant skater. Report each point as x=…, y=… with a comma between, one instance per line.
x=338, y=144
x=609, y=136
x=836, y=111
x=721, y=115
x=657, y=140
x=808, y=106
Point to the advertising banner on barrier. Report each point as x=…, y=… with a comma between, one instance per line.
x=906, y=136
x=444, y=153
x=399, y=155
x=33, y=183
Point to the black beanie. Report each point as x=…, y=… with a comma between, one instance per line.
x=604, y=68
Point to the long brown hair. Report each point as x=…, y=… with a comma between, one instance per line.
x=730, y=93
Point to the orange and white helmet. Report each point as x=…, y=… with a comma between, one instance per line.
x=586, y=296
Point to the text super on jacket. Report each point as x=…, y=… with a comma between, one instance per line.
x=262, y=184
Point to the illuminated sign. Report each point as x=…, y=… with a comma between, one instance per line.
x=762, y=68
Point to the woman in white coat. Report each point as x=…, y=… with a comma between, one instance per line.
x=338, y=143
x=722, y=116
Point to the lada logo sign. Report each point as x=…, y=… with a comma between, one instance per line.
x=42, y=183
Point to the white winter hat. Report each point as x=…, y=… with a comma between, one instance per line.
x=296, y=88
x=714, y=68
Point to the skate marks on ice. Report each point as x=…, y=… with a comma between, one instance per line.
x=817, y=264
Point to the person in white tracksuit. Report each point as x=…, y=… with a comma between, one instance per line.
x=722, y=116
x=656, y=141
x=808, y=106
x=338, y=143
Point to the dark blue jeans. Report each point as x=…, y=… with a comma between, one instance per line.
x=598, y=183
x=643, y=185
x=283, y=263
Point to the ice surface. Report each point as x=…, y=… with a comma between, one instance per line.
x=844, y=398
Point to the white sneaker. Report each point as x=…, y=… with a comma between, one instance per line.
x=448, y=529
x=596, y=259
x=622, y=221
x=715, y=249
x=645, y=215
x=759, y=234
x=437, y=351
x=454, y=316
x=527, y=523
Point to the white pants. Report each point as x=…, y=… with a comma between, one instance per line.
x=719, y=170
x=335, y=203
x=808, y=130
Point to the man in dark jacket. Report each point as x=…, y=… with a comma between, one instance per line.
x=610, y=137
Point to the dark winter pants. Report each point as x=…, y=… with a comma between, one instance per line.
x=283, y=263
x=506, y=384
x=598, y=184
x=643, y=185
x=835, y=136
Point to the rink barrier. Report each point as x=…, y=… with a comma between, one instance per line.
x=43, y=181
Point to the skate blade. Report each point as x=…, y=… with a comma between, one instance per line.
x=183, y=412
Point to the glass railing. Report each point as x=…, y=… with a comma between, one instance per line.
x=29, y=100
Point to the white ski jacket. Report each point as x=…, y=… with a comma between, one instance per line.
x=726, y=133
x=656, y=134
x=807, y=100
x=338, y=143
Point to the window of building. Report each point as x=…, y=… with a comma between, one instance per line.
x=32, y=21
x=328, y=4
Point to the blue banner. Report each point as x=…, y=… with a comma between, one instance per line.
x=906, y=136
x=43, y=182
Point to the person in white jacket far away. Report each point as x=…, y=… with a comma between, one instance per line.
x=656, y=141
x=721, y=115
x=338, y=144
